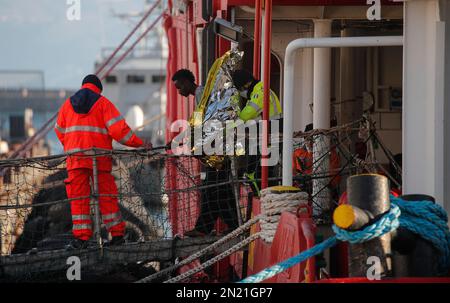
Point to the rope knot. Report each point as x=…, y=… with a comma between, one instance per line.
x=387, y=223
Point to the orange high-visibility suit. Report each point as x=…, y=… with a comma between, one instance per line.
x=89, y=120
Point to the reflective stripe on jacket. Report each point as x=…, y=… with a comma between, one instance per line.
x=254, y=107
x=96, y=128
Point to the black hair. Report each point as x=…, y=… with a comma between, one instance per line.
x=309, y=127
x=184, y=74
x=93, y=79
x=242, y=77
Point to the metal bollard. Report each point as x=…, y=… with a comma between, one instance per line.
x=413, y=256
x=368, y=197
x=95, y=203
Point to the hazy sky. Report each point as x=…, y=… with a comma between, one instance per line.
x=36, y=35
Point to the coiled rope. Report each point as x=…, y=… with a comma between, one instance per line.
x=273, y=205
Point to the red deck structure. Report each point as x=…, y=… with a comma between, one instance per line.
x=295, y=233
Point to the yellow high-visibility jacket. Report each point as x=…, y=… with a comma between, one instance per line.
x=254, y=107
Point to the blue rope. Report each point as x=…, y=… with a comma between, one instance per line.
x=423, y=218
x=385, y=224
x=429, y=221
x=282, y=266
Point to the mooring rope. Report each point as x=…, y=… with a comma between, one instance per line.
x=424, y=218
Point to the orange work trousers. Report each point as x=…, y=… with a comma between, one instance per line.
x=78, y=186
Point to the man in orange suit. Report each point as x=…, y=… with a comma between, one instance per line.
x=89, y=120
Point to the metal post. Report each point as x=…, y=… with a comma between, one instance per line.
x=370, y=193
x=95, y=203
x=321, y=117
x=1, y=239
x=248, y=216
x=266, y=81
x=426, y=75
x=235, y=187
x=257, y=40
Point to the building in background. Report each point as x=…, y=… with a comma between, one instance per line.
x=137, y=85
x=25, y=105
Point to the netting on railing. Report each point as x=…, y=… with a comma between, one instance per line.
x=324, y=158
x=160, y=195
x=36, y=221
x=35, y=213
x=34, y=194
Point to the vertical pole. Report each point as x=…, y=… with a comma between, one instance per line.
x=322, y=77
x=426, y=74
x=95, y=202
x=248, y=216
x=306, y=88
x=369, y=69
x=186, y=41
x=266, y=83
x=370, y=192
x=347, y=76
x=234, y=45
x=263, y=37
x=321, y=116
x=235, y=187
x=257, y=40
x=1, y=239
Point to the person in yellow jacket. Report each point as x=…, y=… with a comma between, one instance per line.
x=253, y=90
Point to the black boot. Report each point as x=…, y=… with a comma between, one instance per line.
x=194, y=233
x=116, y=241
x=77, y=244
